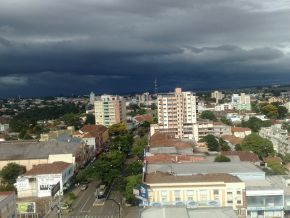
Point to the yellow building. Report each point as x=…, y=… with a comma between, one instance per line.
x=202, y=190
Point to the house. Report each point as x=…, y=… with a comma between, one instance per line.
x=241, y=132
x=245, y=156
x=39, y=181
x=139, y=119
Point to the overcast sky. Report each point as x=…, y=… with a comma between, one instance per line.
x=116, y=46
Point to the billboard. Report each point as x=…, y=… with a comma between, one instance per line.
x=143, y=191
x=22, y=183
x=45, y=183
x=26, y=207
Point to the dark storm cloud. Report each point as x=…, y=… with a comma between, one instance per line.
x=61, y=46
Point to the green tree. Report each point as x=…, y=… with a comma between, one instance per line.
x=71, y=119
x=10, y=172
x=238, y=147
x=270, y=111
x=255, y=124
x=134, y=168
x=223, y=145
x=131, y=182
x=212, y=143
x=90, y=119
x=222, y=158
x=117, y=129
x=153, y=106
x=226, y=121
x=282, y=112
x=208, y=115
x=260, y=146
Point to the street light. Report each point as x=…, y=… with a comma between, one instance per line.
x=118, y=204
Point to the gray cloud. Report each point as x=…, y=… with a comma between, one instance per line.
x=99, y=40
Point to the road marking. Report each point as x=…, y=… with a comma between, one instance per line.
x=84, y=204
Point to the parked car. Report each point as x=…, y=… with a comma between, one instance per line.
x=84, y=186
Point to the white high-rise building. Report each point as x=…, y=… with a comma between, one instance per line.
x=217, y=95
x=109, y=110
x=241, y=102
x=177, y=113
x=92, y=98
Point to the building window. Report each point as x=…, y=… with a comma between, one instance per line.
x=163, y=196
x=203, y=195
x=177, y=195
x=216, y=195
x=189, y=195
x=239, y=201
x=238, y=192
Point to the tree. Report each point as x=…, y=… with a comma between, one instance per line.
x=11, y=171
x=134, y=168
x=226, y=121
x=208, y=115
x=71, y=119
x=260, y=146
x=222, y=158
x=270, y=111
x=117, y=129
x=238, y=147
x=90, y=119
x=212, y=143
x=131, y=182
x=153, y=106
x=255, y=124
x=223, y=145
x=282, y=112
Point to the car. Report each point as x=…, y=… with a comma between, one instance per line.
x=84, y=187
x=64, y=206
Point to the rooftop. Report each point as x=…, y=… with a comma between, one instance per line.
x=52, y=168
x=232, y=139
x=240, y=129
x=161, y=177
x=22, y=150
x=164, y=158
x=94, y=128
x=167, y=140
x=243, y=155
x=204, y=168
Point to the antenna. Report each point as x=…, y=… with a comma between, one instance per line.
x=155, y=86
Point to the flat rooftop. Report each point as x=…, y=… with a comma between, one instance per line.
x=204, y=168
x=35, y=150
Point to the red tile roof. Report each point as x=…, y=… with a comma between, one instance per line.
x=232, y=139
x=52, y=168
x=143, y=118
x=164, y=158
x=240, y=129
x=93, y=128
x=167, y=140
x=243, y=155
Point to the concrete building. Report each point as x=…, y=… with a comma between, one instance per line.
x=177, y=114
x=241, y=102
x=38, y=181
x=144, y=98
x=217, y=129
x=55, y=134
x=33, y=153
x=243, y=170
x=109, y=110
x=8, y=205
x=241, y=132
x=223, y=107
x=217, y=95
x=278, y=136
x=195, y=191
x=287, y=105
x=92, y=98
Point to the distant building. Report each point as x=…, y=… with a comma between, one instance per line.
x=92, y=98
x=8, y=205
x=38, y=181
x=217, y=129
x=241, y=132
x=144, y=98
x=44, y=137
x=285, y=95
x=217, y=96
x=110, y=110
x=177, y=114
x=223, y=107
x=241, y=102
x=278, y=136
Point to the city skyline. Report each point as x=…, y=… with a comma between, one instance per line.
x=49, y=48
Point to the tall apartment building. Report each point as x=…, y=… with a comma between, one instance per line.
x=109, y=110
x=217, y=95
x=177, y=113
x=144, y=98
x=241, y=102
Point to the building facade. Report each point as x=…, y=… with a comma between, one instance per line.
x=217, y=95
x=196, y=191
x=177, y=113
x=241, y=102
x=278, y=136
x=217, y=129
x=110, y=110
